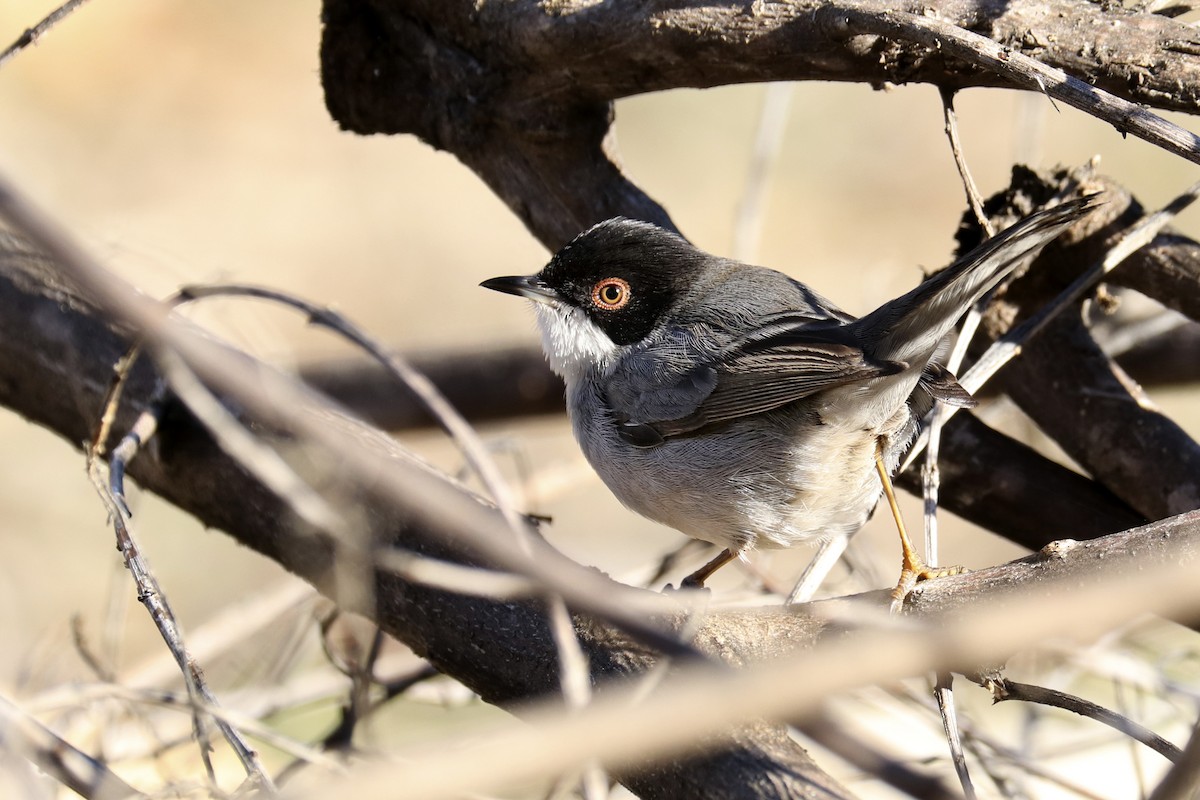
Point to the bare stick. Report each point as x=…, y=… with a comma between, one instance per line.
x=772, y=124
x=829, y=552
x=85, y=651
x=943, y=691
x=451, y=577
x=930, y=476
x=151, y=595
x=31, y=35
x=1004, y=689
x=112, y=494
x=969, y=186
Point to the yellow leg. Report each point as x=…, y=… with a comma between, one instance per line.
x=913, y=568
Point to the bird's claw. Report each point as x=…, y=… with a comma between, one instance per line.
x=916, y=571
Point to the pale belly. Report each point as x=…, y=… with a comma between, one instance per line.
x=755, y=483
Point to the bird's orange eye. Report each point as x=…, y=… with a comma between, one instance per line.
x=611, y=294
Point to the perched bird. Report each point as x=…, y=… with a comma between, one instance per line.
x=736, y=404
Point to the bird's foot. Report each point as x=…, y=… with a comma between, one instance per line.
x=913, y=571
x=696, y=579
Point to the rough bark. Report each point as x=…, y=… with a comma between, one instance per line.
x=1065, y=382
x=522, y=92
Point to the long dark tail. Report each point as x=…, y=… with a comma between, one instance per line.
x=910, y=327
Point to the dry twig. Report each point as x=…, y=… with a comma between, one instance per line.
x=31, y=35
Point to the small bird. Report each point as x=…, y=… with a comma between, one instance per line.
x=734, y=403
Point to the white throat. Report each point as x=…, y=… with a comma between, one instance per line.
x=573, y=343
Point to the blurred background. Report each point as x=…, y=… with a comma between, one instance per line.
x=188, y=142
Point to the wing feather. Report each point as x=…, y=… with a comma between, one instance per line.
x=766, y=369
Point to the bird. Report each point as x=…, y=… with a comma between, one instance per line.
x=734, y=403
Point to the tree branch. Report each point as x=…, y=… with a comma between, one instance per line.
x=1069, y=386
x=521, y=92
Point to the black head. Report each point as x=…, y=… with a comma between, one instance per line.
x=624, y=275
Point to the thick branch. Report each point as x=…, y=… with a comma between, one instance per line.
x=521, y=92
x=1105, y=421
x=1070, y=387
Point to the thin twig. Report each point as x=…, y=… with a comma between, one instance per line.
x=152, y=596
x=974, y=199
x=772, y=124
x=89, y=656
x=829, y=552
x=31, y=35
x=1025, y=72
x=1010, y=755
x=930, y=476
x=574, y=675
x=456, y=578
x=112, y=495
x=943, y=691
x=1004, y=689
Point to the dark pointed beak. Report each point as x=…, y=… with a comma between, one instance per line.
x=529, y=286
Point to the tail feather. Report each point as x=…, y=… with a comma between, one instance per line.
x=910, y=327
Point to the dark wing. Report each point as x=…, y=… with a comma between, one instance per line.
x=767, y=369
x=938, y=383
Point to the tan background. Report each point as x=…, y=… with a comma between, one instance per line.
x=187, y=142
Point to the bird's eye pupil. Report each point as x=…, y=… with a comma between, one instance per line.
x=611, y=294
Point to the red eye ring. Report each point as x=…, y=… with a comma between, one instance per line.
x=611, y=294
